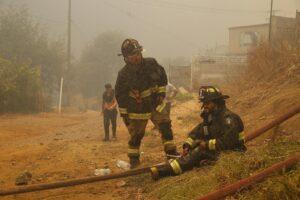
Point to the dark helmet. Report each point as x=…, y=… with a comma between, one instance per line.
x=130, y=47
x=107, y=85
x=210, y=93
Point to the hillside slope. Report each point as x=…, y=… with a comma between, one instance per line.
x=264, y=92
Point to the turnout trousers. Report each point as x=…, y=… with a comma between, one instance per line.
x=185, y=163
x=136, y=129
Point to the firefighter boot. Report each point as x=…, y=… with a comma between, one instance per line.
x=134, y=162
x=168, y=142
x=158, y=172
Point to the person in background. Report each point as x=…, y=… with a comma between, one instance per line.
x=109, y=110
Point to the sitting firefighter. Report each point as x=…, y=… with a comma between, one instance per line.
x=220, y=130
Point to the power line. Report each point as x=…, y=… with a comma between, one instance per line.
x=212, y=8
x=69, y=35
x=192, y=8
x=162, y=29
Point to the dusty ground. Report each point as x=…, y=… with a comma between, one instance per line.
x=57, y=147
x=54, y=147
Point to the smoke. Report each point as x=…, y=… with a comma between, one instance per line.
x=297, y=3
x=166, y=28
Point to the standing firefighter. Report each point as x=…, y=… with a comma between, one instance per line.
x=140, y=92
x=220, y=130
x=109, y=110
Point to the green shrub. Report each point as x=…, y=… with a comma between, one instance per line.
x=20, y=89
x=25, y=44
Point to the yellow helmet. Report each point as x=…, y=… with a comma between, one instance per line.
x=209, y=93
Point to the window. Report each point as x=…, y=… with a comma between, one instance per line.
x=249, y=39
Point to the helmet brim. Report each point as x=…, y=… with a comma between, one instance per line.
x=141, y=49
x=211, y=99
x=225, y=96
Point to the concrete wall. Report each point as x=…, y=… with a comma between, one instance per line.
x=215, y=70
x=283, y=29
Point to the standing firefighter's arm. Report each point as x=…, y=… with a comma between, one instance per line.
x=233, y=135
x=163, y=81
x=161, y=87
x=121, y=93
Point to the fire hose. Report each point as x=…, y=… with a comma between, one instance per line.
x=79, y=181
x=233, y=188
x=295, y=110
x=73, y=182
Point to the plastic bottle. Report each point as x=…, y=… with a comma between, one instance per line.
x=102, y=172
x=123, y=164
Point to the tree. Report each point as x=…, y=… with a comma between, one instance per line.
x=20, y=88
x=99, y=63
x=23, y=40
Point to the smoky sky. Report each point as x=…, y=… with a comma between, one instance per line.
x=166, y=28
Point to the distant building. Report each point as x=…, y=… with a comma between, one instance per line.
x=243, y=38
x=219, y=64
x=215, y=69
x=206, y=70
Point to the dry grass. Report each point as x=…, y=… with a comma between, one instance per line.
x=184, y=97
x=229, y=168
x=268, y=87
x=279, y=66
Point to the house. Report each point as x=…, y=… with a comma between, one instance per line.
x=243, y=38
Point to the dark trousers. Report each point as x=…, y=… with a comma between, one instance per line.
x=185, y=163
x=110, y=116
x=194, y=158
x=136, y=129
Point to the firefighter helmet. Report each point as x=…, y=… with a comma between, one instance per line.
x=130, y=47
x=209, y=93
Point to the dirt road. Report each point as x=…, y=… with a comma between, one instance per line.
x=57, y=147
x=54, y=147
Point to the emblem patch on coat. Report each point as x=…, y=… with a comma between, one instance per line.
x=228, y=120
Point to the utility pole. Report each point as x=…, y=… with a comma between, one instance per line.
x=60, y=93
x=270, y=22
x=65, y=69
x=191, y=73
x=69, y=37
